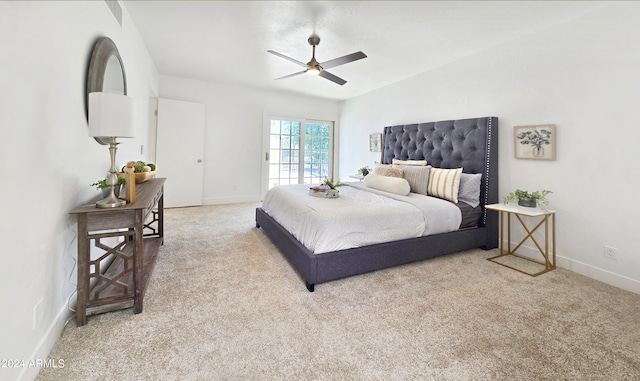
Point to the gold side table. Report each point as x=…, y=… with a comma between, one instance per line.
x=549, y=256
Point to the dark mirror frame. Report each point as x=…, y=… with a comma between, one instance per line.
x=103, y=50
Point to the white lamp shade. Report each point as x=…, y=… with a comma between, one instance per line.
x=112, y=115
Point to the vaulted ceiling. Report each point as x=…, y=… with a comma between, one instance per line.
x=227, y=41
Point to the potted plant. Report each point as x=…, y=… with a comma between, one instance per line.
x=102, y=186
x=528, y=199
x=364, y=171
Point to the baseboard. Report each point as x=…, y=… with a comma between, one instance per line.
x=599, y=274
x=587, y=270
x=231, y=200
x=44, y=347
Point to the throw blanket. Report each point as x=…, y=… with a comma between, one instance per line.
x=359, y=217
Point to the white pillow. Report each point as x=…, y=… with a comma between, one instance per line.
x=444, y=183
x=408, y=162
x=389, y=184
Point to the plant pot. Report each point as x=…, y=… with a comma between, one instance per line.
x=528, y=203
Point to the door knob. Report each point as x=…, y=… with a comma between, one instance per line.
x=199, y=160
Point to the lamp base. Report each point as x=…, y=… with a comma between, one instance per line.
x=110, y=202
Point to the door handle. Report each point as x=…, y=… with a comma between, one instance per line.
x=266, y=156
x=199, y=160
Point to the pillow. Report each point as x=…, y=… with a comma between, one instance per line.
x=469, y=191
x=409, y=162
x=444, y=183
x=417, y=177
x=388, y=184
x=387, y=170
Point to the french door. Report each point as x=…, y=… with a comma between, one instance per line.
x=299, y=152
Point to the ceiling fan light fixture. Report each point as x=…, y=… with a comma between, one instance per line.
x=314, y=70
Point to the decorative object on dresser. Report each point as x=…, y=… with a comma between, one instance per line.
x=401, y=234
x=536, y=142
x=106, y=79
x=118, y=278
x=529, y=199
x=101, y=185
x=111, y=116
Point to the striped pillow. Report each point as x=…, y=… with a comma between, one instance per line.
x=444, y=183
x=417, y=176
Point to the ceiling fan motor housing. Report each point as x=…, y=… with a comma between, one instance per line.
x=314, y=40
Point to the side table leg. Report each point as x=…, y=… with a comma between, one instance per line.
x=83, y=272
x=138, y=260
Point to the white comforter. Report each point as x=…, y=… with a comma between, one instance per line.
x=360, y=216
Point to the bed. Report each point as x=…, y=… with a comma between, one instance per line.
x=470, y=144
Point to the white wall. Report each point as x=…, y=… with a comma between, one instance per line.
x=233, y=154
x=582, y=76
x=48, y=160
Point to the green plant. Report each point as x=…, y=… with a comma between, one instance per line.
x=331, y=184
x=364, y=170
x=102, y=184
x=518, y=194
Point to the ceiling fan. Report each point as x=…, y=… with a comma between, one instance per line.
x=314, y=67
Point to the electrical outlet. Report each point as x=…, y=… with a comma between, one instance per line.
x=610, y=252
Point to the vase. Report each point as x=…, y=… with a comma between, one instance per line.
x=528, y=203
x=538, y=151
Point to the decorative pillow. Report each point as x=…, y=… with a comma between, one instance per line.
x=444, y=183
x=389, y=184
x=417, y=177
x=469, y=191
x=387, y=170
x=408, y=162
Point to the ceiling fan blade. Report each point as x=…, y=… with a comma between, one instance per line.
x=287, y=58
x=325, y=74
x=292, y=75
x=343, y=60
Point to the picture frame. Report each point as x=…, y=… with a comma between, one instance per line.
x=535, y=142
x=375, y=142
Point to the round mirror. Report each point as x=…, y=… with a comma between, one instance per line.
x=106, y=72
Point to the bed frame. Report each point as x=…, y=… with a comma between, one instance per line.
x=468, y=143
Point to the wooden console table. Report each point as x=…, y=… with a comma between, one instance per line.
x=118, y=278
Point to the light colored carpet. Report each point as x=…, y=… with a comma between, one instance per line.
x=223, y=304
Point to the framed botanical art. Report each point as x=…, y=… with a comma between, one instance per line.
x=375, y=142
x=537, y=142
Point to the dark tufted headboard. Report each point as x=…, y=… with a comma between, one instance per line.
x=468, y=143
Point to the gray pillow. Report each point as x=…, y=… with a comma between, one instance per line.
x=469, y=191
x=417, y=176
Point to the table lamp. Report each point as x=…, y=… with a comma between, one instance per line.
x=111, y=116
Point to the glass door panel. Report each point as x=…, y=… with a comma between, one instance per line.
x=293, y=163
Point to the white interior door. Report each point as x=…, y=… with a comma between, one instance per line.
x=180, y=151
